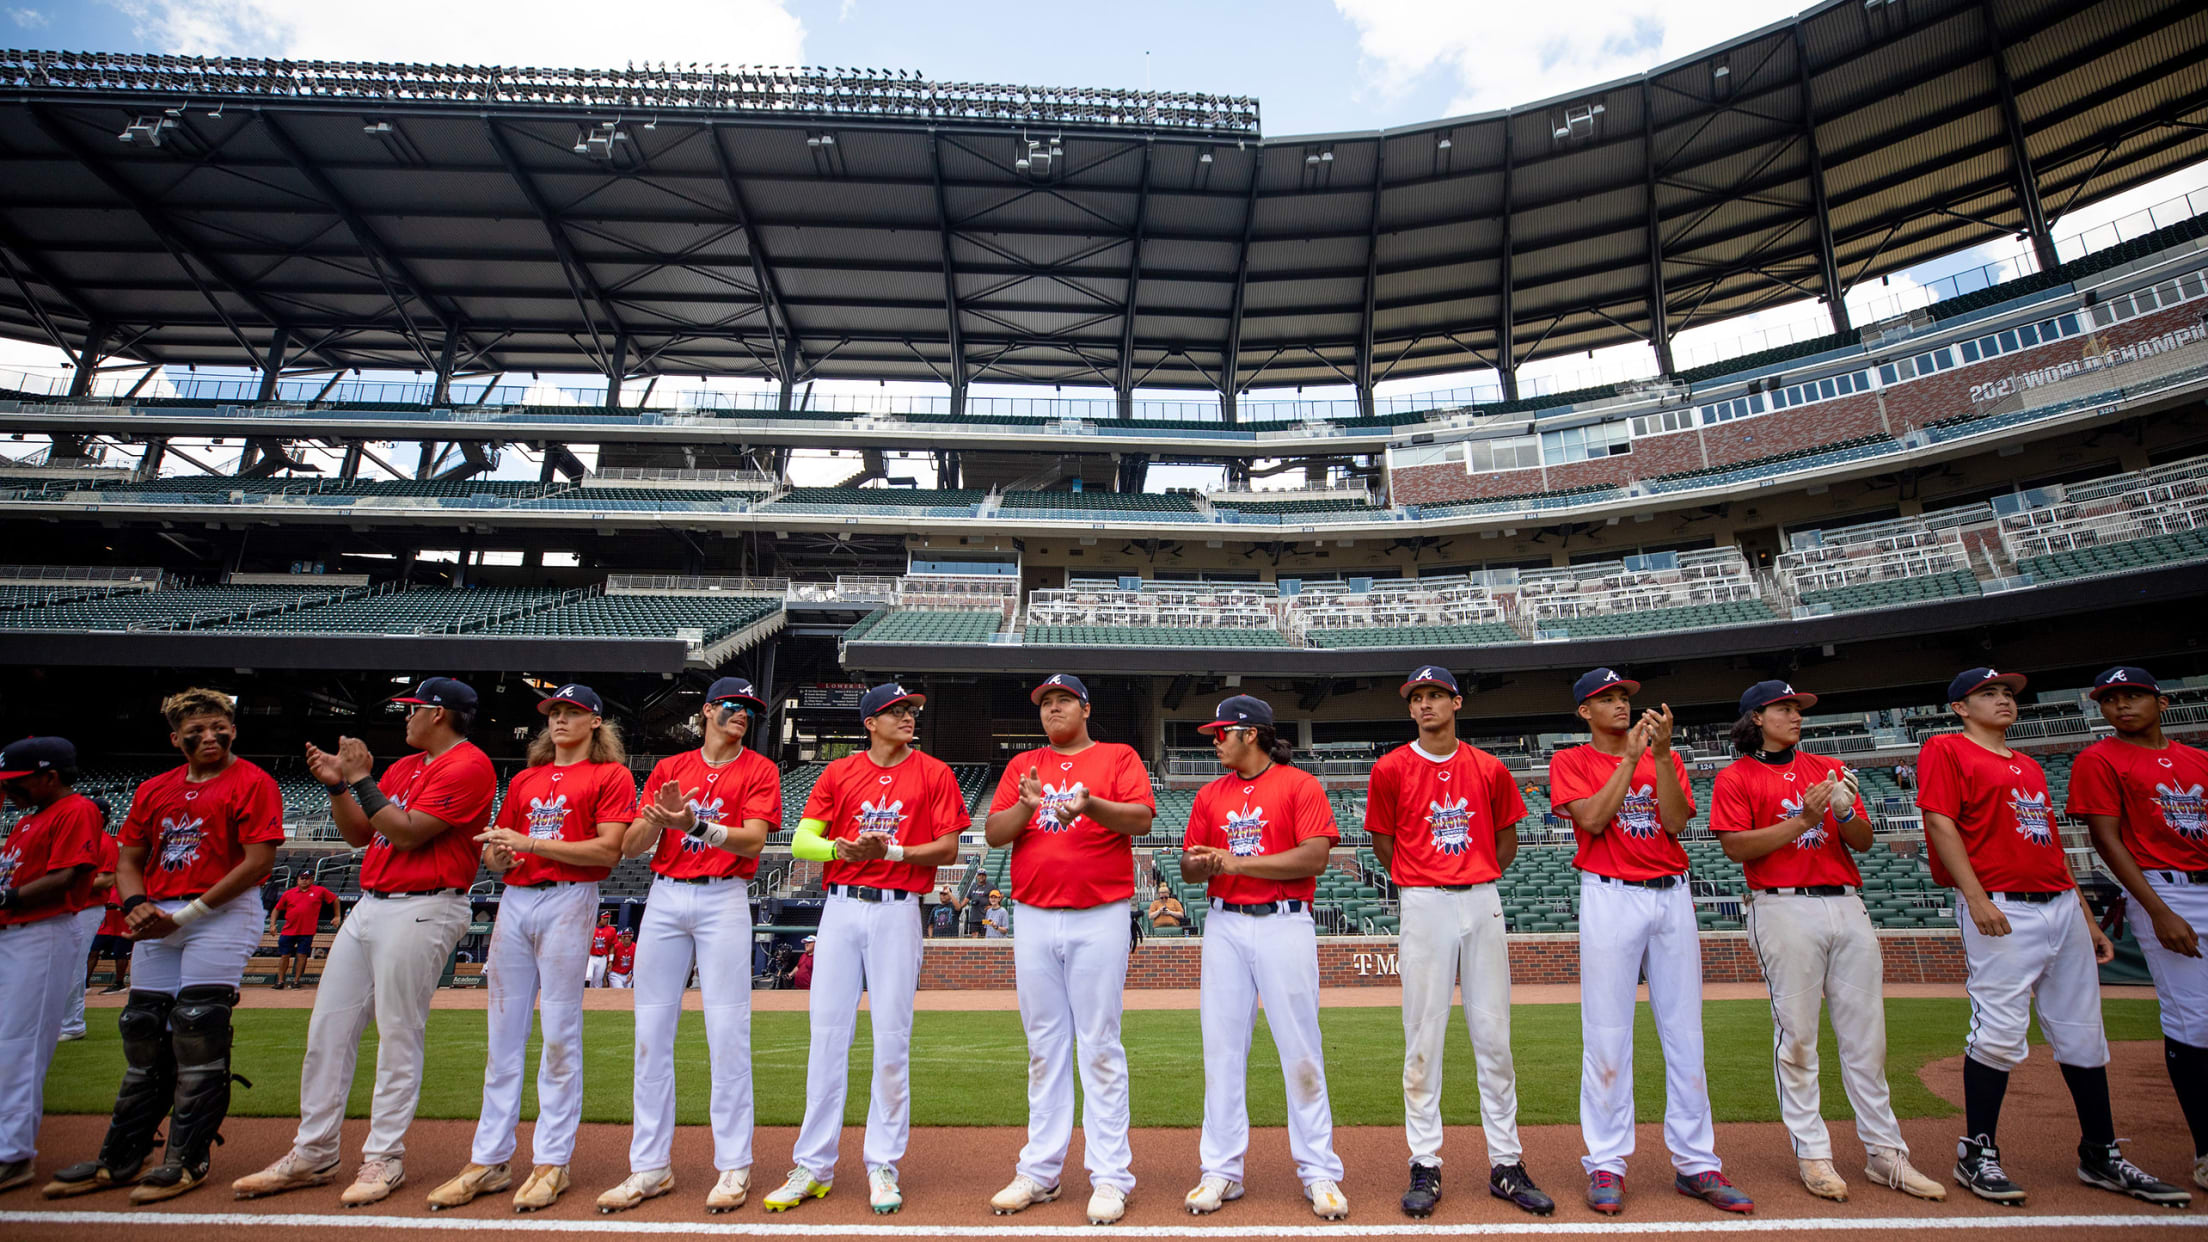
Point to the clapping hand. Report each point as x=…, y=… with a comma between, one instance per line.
x=323, y=766
x=670, y=808
x=353, y=760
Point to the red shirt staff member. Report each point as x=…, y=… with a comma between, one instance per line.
x=1790, y=819
x=197, y=844
x=46, y=867
x=602, y=939
x=298, y=912
x=2145, y=797
x=418, y=827
x=2028, y=937
x=1070, y=811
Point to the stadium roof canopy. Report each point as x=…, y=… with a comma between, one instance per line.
x=858, y=225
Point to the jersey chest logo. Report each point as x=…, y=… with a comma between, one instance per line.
x=2184, y=810
x=2033, y=821
x=1450, y=823
x=1791, y=807
x=9, y=861
x=706, y=813
x=1056, y=798
x=1246, y=831
x=1637, y=815
x=546, y=816
x=884, y=817
x=180, y=838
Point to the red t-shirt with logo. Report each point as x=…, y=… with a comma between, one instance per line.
x=602, y=939
x=457, y=787
x=195, y=832
x=300, y=909
x=550, y=802
x=1443, y=813
x=2002, y=810
x=1753, y=794
x=1083, y=864
x=913, y=802
x=624, y=956
x=2159, y=799
x=1281, y=808
x=1635, y=845
x=66, y=834
x=746, y=787
x=82, y=897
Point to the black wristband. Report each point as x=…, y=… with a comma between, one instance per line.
x=369, y=796
x=338, y=790
x=7, y=897
x=133, y=901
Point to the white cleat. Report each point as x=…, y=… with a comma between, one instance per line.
x=635, y=1189
x=882, y=1191
x=378, y=1177
x=1327, y=1200
x=1106, y=1205
x=729, y=1192
x=1024, y=1192
x=1210, y=1193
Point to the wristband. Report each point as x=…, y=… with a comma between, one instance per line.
x=714, y=835
x=337, y=790
x=895, y=853
x=7, y=897
x=192, y=912
x=370, y=797
x=133, y=901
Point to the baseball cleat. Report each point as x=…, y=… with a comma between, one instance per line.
x=1424, y=1195
x=87, y=1176
x=112, y=988
x=1978, y=1170
x=1889, y=1166
x=1606, y=1192
x=167, y=1182
x=796, y=1189
x=1822, y=1180
x=288, y=1173
x=635, y=1189
x=882, y=1192
x=1512, y=1182
x=1106, y=1205
x=70, y=1037
x=464, y=1186
x=1327, y=1200
x=378, y=1177
x=1024, y=1192
x=2200, y=1172
x=14, y=1173
x=1713, y=1188
x=542, y=1188
x=1210, y=1193
x=2104, y=1166
x=729, y=1191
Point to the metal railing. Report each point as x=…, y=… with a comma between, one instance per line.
x=672, y=584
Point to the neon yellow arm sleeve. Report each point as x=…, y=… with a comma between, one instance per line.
x=808, y=843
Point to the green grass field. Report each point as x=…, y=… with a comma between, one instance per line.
x=971, y=1068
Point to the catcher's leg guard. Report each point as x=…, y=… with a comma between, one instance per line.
x=201, y=1031
x=149, y=1081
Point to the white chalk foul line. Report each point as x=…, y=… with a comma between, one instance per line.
x=716, y=1228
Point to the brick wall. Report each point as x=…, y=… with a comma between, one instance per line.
x=1369, y=961
x=1786, y=431
x=1428, y=485
x=1587, y=473
x=1655, y=455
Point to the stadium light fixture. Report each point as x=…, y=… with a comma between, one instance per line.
x=1444, y=144
x=598, y=143
x=1205, y=156
x=151, y=130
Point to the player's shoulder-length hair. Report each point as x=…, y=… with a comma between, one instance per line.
x=197, y=701
x=1747, y=735
x=606, y=745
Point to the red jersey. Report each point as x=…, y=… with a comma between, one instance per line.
x=1083, y=864
x=2000, y=807
x=602, y=939
x=195, y=832
x=913, y=803
x=1753, y=794
x=1278, y=810
x=1442, y=812
x=746, y=787
x=2159, y=799
x=299, y=910
x=64, y=835
x=624, y=956
x=457, y=787
x=82, y=897
x=554, y=803
x=1635, y=845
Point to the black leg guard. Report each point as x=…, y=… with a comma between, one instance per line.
x=201, y=1027
x=149, y=1082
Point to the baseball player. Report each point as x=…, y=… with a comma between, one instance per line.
x=198, y=842
x=418, y=826
x=1627, y=797
x=1443, y=816
x=705, y=817
x=2142, y=795
x=1260, y=835
x=46, y=869
x=557, y=834
x=883, y=819
x=602, y=939
x=93, y=916
x=622, y=969
x=294, y=920
x=2028, y=938
x=1070, y=810
x=1790, y=819
x=110, y=942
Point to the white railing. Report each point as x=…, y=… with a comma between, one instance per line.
x=1902, y=549
x=676, y=584
x=113, y=574
x=2043, y=532
x=732, y=480
x=1710, y=576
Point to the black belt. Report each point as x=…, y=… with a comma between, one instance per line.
x=700, y=879
x=416, y=892
x=1813, y=890
x=2181, y=877
x=550, y=883
x=2036, y=899
x=860, y=892
x=1262, y=908
x=1450, y=888
x=1661, y=881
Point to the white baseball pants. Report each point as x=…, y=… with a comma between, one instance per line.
x=1446, y=935
x=1071, y=967
x=594, y=971
x=384, y=965
x=538, y=945
x=871, y=947
x=87, y=925
x=2180, y=983
x=39, y=964
x=1625, y=930
x=709, y=924
x=1271, y=959
x=2047, y=958
x=1822, y=952
x=210, y=953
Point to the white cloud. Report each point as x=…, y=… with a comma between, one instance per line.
x=28, y=19
x=539, y=33
x=1500, y=55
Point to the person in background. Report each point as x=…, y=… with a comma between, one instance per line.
x=1166, y=910
x=996, y=920
x=298, y=911
x=943, y=915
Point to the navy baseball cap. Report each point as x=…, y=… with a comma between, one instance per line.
x=881, y=698
x=1430, y=675
x=1765, y=693
x=1059, y=681
x=1240, y=711
x=574, y=694
x=734, y=690
x=2123, y=677
x=1974, y=679
x=441, y=692
x=1595, y=681
x=36, y=754
x=106, y=811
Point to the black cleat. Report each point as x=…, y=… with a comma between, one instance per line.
x=1978, y=1170
x=1425, y=1192
x=1512, y=1182
x=2106, y=1168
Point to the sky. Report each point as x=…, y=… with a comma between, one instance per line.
x=1316, y=66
